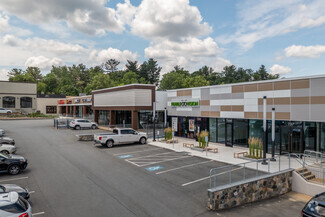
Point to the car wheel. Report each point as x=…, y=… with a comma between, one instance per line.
x=109, y=143
x=77, y=127
x=14, y=170
x=143, y=140
x=5, y=152
x=8, y=113
x=93, y=126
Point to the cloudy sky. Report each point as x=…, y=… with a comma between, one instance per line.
x=287, y=36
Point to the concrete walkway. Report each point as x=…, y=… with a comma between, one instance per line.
x=226, y=154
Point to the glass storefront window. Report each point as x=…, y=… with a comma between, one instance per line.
x=256, y=129
x=322, y=137
x=240, y=132
x=221, y=130
x=213, y=129
x=26, y=102
x=310, y=135
x=8, y=102
x=277, y=137
x=51, y=110
x=103, y=118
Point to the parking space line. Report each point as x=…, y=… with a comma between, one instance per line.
x=132, y=163
x=165, y=160
x=151, y=155
x=14, y=179
x=177, y=168
x=32, y=192
x=137, y=151
x=202, y=179
x=39, y=213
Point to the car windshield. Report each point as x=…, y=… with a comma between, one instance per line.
x=115, y=131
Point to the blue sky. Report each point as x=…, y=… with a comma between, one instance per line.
x=286, y=36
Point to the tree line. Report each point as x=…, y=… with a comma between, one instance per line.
x=76, y=79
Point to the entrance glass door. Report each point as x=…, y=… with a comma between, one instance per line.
x=291, y=139
x=229, y=133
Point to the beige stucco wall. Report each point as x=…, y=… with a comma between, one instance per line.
x=43, y=102
x=18, y=90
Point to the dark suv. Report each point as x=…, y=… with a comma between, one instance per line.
x=13, y=164
x=315, y=206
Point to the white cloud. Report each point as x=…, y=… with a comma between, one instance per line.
x=282, y=70
x=43, y=63
x=274, y=18
x=221, y=63
x=304, y=51
x=125, y=12
x=4, y=75
x=172, y=19
x=4, y=22
x=191, y=53
x=100, y=56
x=87, y=16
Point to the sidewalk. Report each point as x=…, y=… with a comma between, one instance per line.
x=226, y=155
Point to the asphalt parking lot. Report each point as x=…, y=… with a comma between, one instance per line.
x=73, y=178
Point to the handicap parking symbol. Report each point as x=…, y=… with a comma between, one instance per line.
x=125, y=156
x=150, y=169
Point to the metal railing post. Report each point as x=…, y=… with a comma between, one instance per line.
x=230, y=177
x=268, y=169
x=279, y=163
x=323, y=177
x=289, y=160
x=244, y=171
x=256, y=168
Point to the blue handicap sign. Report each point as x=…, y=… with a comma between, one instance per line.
x=150, y=169
x=125, y=156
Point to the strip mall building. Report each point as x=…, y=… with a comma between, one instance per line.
x=231, y=113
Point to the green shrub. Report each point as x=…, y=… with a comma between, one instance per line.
x=255, y=148
x=201, y=138
x=168, y=133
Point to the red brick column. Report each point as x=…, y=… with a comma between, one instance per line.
x=111, y=117
x=96, y=115
x=74, y=111
x=60, y=110
x=84, y=114
x=134, y=119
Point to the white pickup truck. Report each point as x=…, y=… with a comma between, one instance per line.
x=120, y=136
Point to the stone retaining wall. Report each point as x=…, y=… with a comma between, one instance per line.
x=251, y=191
x=86, y=137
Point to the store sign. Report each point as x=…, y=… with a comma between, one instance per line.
x=77, y=100
x=185, y=103
x=61, y=101
x=174, y=124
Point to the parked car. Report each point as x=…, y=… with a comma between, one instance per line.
x=13, y=164
x=23, y=192
x=315, y=206
x=7, y=149
x=12, y=205
x=2, y=132
x=120, y=136
x=6, y=140
x=82, y=123
x=5, y=111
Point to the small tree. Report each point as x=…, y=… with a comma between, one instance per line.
x=110, y=65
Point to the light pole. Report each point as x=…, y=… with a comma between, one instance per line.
x=165, y=119
x=273, y=134
x=265, y=131
x=154, y=120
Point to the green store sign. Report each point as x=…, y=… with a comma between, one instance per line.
x=185, y=104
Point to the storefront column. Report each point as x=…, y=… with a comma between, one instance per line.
x=134, y=120
x=67, y=110
x=112, y=117
x=60, y=110
x=84, y=114
x=74, y=111
x=96, y=115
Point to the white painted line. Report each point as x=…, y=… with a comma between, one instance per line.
x=150, y=155
x=156, y=158
x=39, y=213
x=32, y=192
x=132, y=163
x=165, y=160
x=199, y=180
x=177, y=168
x=14, y=179
x=137, y=151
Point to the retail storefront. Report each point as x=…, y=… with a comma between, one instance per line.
x=128, y=106
x=233, y=113
x=80, y=106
